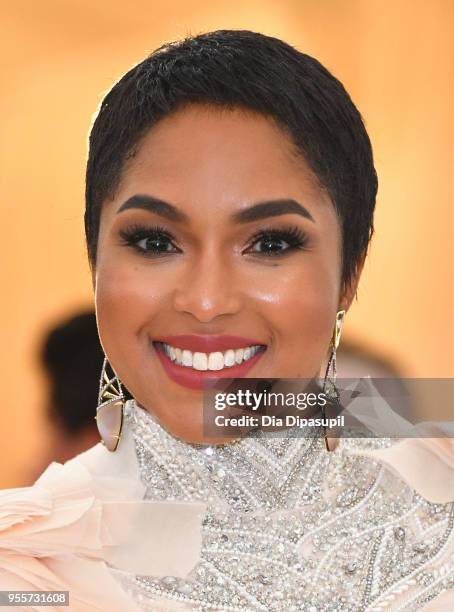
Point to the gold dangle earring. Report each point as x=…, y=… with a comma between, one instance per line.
x=110, y=410
x=329, y=383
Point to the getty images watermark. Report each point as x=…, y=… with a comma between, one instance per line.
x=361, y=407
x=246, y=399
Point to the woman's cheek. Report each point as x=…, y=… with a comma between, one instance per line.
x=303, y=323
x=121, y=313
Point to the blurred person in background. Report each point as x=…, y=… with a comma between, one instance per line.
x=71, y=358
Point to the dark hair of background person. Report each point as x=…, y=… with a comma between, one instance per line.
x=253, y=71
x=72, y=358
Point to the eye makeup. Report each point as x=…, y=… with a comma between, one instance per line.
x=149, y=240
x=275, y=239
x=157, y=240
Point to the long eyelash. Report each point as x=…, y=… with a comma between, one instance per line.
x=295, y=236
x=131, y=234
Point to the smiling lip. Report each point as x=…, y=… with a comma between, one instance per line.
x=198, y=379
x=207, y=344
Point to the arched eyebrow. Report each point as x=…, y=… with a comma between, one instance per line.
x=255, y=212
x=155, y=205
x=271, y=208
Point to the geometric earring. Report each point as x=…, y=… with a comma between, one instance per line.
x=109, y=413
x=329, y=383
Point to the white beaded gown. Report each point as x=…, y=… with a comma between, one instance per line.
x=260, y=524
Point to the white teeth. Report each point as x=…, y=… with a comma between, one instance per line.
x=216, y=361
x=200, y=361
x=209, y=361
x=229, y=358
x=187, y=358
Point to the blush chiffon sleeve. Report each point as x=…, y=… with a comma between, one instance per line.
x=78, y=518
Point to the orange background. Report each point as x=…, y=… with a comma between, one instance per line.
x=395, y=57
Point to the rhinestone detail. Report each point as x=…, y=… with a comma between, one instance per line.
x=291, y=527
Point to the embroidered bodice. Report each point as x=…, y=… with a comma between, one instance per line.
x=292, y=527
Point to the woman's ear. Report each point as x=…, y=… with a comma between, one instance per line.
x=349, y=290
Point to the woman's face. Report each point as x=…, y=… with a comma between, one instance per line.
x=219, y=239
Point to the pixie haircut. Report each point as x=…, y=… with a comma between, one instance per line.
x=252, y=71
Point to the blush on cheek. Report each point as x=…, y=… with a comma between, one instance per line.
x=314, y=341
x=305, y=330
x=118, y=313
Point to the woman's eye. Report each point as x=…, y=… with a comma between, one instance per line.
x=270, y=245
x=277, y=242
x=149, y=241
x=155, y=244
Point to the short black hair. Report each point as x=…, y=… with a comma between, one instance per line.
x=249, y=70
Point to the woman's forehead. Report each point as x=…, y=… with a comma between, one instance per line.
x=202, y=155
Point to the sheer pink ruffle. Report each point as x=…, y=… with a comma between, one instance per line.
x=425, y=464
x=422, y=455
x=60, y=533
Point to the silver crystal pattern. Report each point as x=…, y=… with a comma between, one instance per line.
x=292, y=527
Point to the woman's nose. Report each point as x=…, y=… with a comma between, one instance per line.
x=208, y=290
